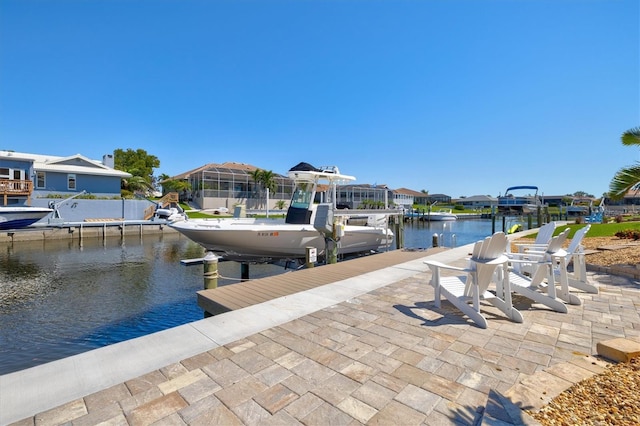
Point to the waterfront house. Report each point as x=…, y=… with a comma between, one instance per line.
x=478, y=202
x=365, y=196
x=213, y=186
x=406, y=198
x=24, y=176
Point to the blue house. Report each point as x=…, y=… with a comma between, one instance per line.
x=23, y=176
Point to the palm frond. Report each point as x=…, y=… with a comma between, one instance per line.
x=625, y=180
x=631, y=137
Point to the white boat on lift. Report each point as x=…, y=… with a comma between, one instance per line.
x=441, y=215
x=580, y=206
x=518, y=200
x=307, y=224
x=18, y=217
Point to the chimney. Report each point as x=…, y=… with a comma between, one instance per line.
x=108, y=160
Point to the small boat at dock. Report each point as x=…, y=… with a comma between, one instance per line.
x=442, y=214
x=308, y=224
x=18, y=217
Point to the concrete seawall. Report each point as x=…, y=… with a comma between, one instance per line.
x=80, y=230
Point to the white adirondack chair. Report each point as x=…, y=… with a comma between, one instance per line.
x=540, y=266
x=472, y=285
x=545, y=233
x=575, y=253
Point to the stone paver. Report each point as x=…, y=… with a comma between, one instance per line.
x=386, y=357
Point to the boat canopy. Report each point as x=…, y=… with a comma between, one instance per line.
x=521, y=187
x=304, y=167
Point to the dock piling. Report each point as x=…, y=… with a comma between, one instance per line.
x=210, y=271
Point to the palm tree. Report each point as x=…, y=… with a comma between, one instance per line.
x=256, y=175
x=631, y=137
x=264, y=179
x=136, y=183
x=269, y=181
x=627, y=178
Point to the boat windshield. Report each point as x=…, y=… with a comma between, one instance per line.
x=302, y=196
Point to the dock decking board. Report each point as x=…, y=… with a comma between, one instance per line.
x=248, y=293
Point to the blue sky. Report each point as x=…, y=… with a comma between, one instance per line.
x=461, y=97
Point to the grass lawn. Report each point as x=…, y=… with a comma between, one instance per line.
x=597, y=229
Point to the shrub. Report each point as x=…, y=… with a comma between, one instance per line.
x=629, y=234
x=619, y=218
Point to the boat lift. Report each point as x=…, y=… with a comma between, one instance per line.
x=55, y=218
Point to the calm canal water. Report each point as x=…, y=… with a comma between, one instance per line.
x=58, y=299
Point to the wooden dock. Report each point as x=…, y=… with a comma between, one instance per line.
x=248, y=293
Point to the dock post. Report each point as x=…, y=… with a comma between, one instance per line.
x=530, y=221
x=539, y=216
x=311, y=257
x=244, y=271
x=80, y=236
x=434, y=240
x=399, y=231
x=331, y=250
x=210, y=271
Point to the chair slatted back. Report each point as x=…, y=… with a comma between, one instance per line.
x=576, y=241
x=545, y=233
x=558, y=241
x=490, y=249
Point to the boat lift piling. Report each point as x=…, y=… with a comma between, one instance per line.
x=210, y=271
x=244, y=271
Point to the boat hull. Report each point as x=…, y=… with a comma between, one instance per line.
x=441, y=217
x=434, y=216
x=21, y=217
x=264, y=241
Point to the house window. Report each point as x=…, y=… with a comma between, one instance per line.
x=40, y=181
x=4, y=173
x=71, y=181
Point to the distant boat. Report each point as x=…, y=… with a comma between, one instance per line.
x=519, y=200
x=21, y=216
x=442, y=214
x=434, y=215
x=307, y=225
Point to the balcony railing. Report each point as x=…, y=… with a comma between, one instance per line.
x=15, y=188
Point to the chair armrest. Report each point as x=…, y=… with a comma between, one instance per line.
x=435, y=264
x=530, y=261
x=531, y=246
x=530, y=257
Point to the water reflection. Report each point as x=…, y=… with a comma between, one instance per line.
x=58, y=299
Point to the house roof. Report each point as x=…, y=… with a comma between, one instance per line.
x=633, y=193
x=407, y=191
x=478, y=198
x=77, y=164
x=227, y=167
